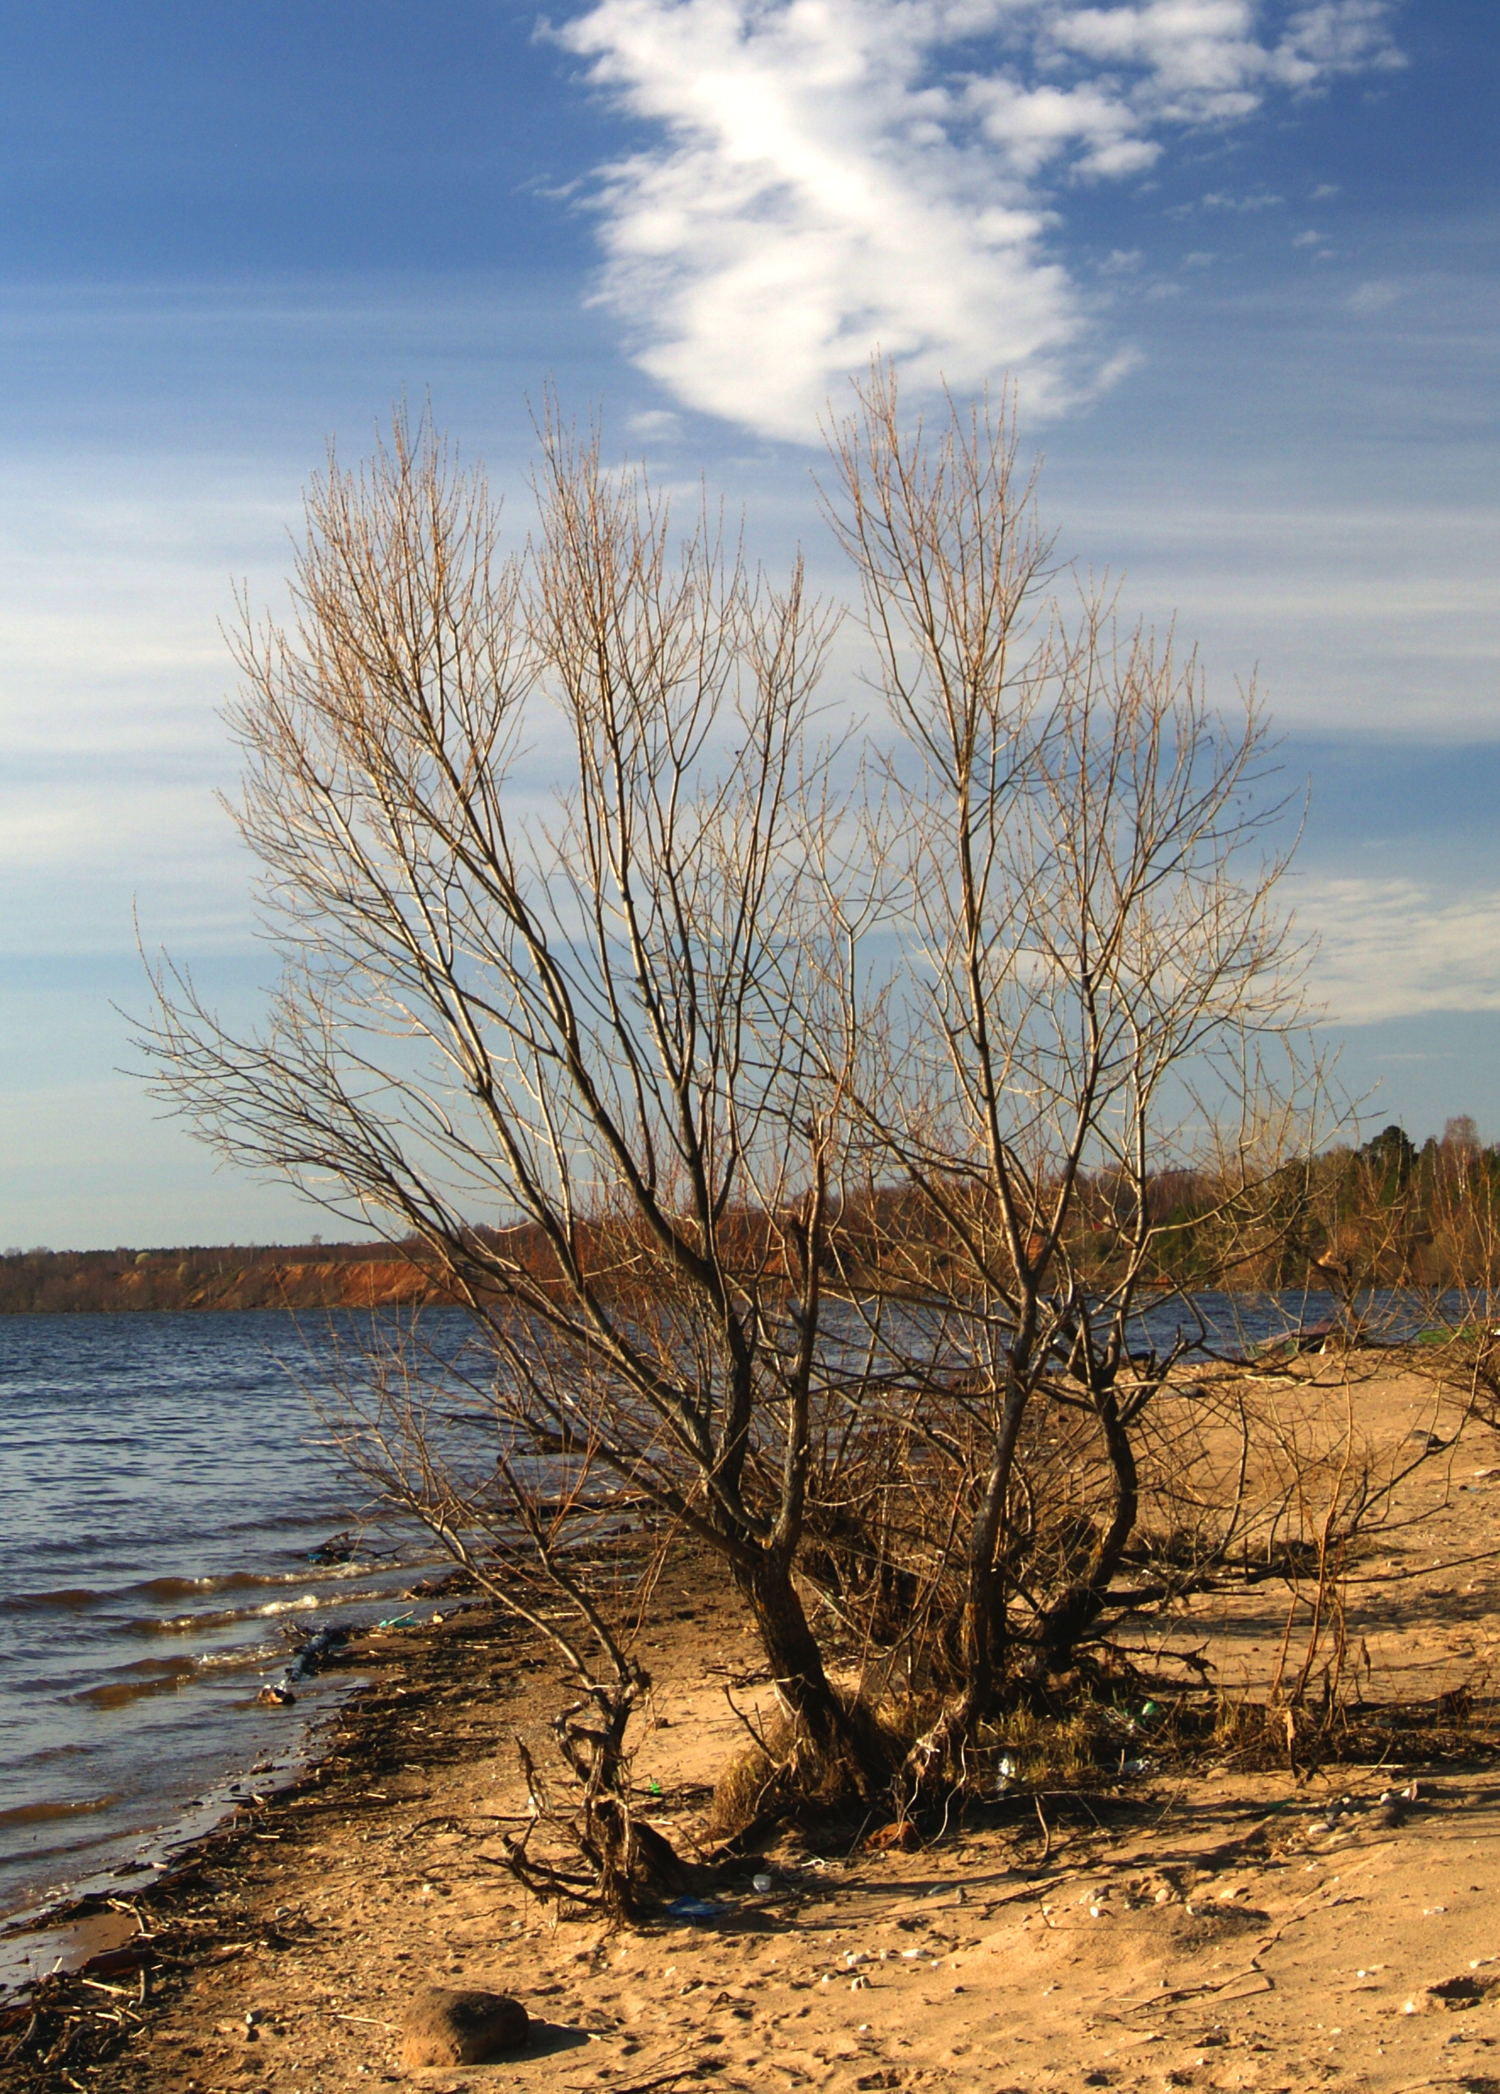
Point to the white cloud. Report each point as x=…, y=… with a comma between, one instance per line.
x=1372, y=297
x=1395, y=948
x=1259, y=200
x=655, y=425
x=835, y=176
x=1035, y=125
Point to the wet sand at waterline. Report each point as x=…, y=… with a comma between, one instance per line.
x=1206, y=1926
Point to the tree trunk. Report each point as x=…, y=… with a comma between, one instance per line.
x=1081, y=1606
x=791, y=1649
x=983, y=1636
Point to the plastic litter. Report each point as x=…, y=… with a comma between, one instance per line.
x=696, y=1908
x=317, y=1650
x=762, y=1883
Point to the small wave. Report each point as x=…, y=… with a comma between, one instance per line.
x=230, y=1617
x=131, y=1682
x=172, y=1588
x=188, y=1624
x=225, y=1581
x=72, y=1598
x=243, y=1658
x=47, y=1813
x=79, y=1599
x=68, y=1749
x=217, y=1618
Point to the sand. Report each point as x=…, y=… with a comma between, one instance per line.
x=1205, y=1926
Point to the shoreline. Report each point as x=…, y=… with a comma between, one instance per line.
x=1216, y=1925
x=301, y=1691
x=164, y=1850
x=168, y=1851
x=143, y=1938
x=1200, y=1933
x=173, y=1851
x=336, y=1280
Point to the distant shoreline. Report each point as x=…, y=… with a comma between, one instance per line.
x=311, y=1276
x=273, y=1276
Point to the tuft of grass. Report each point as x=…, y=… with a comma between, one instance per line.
x=748, y=1787
x=785, y=1776
x=1042, y=1749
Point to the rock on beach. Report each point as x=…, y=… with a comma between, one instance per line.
x=446, y=2027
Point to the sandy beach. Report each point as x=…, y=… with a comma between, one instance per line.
x=1208, y=1924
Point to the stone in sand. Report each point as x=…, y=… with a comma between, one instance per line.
x=901, y=1837
x=444, y=2027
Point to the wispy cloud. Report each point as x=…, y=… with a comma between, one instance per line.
x=1372, y=297
x=1396, y=948
x=834, y=176
x=1258, y=200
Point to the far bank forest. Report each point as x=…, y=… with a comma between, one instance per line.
x=1384, y=1214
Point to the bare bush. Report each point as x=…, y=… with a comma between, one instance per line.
x=563, y=1049
x=838, y=1264
x=1098, y=983
x=539, y=1533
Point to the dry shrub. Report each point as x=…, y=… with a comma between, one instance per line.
x=747, y=1789
x=785, y=1777
x=781, y=1779
x=1263, y=1734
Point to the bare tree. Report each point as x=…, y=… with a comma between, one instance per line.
x=1096, y=981
x=838, y=1265
x=564, y=1049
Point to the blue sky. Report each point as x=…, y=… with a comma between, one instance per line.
x=1244, y=259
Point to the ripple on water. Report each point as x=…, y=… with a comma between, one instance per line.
x=164, y=1480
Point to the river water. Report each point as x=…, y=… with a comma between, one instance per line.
x=164, y=1490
